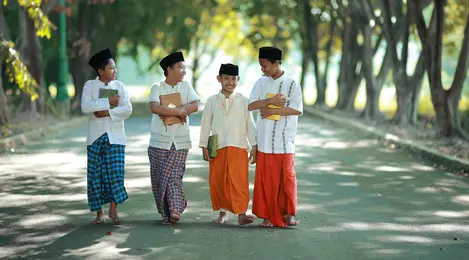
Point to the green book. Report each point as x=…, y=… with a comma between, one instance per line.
x=106, y=93
x=212, y=146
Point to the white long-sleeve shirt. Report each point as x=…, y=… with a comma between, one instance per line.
x=113, y=124
x=230, y=119
x=277, y=137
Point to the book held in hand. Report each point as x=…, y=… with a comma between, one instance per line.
x=212, y=146
x=171, y=101
x=107, y=92
x=273, y=117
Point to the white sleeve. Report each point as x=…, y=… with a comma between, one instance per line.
x=191, y=95
x=154, y=93
x=124, y=109
x=88, y=105
x=206, y=124
x=251, y=127
x=296, y=99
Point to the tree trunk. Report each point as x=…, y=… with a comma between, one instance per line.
x=453, y=95
x=372, y=102
x=80, y=74
x=346, y=69
x=404, y=102
x=446, y=103
x=5, y=35
x=30, y=50
x=352, y=94
x=312, y=36
x=304, y=68
x=373, y=89
x=195, y=72
x=79, y=48
x=415, y=102
x=325, y=77
x=3, y=103
x=304, y=59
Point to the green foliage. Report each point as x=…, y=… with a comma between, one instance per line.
x=35, y=13
x=456, y=12
x=16, y=71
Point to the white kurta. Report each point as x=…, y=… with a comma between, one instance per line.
x=113, y=125
x=277, y=137
x=162, y=137
x=230, y=119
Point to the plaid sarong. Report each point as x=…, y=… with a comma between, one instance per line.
x=105, y=173
x=167, y=171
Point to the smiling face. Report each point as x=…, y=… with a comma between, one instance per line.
x=228, y=83
x=268, y=68
x=109, y=72
x=177, y=71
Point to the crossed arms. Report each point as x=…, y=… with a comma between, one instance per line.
x=277, y=100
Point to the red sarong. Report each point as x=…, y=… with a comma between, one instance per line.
x=274, y=187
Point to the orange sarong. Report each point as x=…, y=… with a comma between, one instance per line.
x=274, y=187
x=229, y=183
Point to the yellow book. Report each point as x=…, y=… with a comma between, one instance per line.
x=273, y=117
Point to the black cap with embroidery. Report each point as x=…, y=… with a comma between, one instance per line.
x=171, y=59
x=100, y=58
x=270, y=53
x=229, y=69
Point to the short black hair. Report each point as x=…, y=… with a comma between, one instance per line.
x=101, y=65
x=166, y=70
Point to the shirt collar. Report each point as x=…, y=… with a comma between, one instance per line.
x=280, y=78
x=163, y=83
x=102, y=83
x=233, y=95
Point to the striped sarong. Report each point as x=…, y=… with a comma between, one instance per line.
x=105, y=173
x=167, y=171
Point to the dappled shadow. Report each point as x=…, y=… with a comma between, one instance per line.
x=356, y=200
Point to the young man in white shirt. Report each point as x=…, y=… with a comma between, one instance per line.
x=226, y=115
x=275, y=193
x=106, y=137
x=169, y=144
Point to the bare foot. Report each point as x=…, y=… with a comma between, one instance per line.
x=113, y=213
x=99, y=217
x=244, y=219
x=165, y=220
x=222, y=218
x=267, y=223
x=291, y=221
x=175, y=217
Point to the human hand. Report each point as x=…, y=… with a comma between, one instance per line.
x=266, y=112
x=253, y=155
x=114, y=100
x=101, y=114
x=278, y=100
x=206, y=154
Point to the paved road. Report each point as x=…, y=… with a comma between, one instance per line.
x=357, y=200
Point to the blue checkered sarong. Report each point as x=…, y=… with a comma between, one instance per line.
x=105, y=173
x=167, y=171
